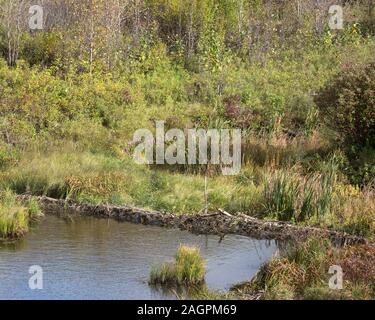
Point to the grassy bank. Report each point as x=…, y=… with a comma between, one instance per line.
x=15, y=218
x=321, y=197
x=302, y=272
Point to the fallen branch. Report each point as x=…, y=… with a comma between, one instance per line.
x=225, y=213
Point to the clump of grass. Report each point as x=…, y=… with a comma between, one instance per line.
x=281, y=193
x=164, y=274
x=15, y=218
x=290, y=196
x=34, y=211
x=190, y=265
x=189, y=268
x=328, y=180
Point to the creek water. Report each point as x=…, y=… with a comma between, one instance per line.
x=88, y=258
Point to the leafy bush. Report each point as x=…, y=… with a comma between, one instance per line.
x=361, y=166
x=348, y=105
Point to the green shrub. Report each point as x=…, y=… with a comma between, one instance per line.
x=361, y=169
x=348, y=105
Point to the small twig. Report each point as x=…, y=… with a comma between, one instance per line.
x=225, y=213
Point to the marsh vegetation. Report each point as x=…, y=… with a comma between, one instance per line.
x=188, y=268
x=73, y=94
x=302, y=273
x=16, y=218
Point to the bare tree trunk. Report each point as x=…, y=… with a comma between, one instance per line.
x=91, y=42
x=14, y=17
x=190, y=31
x=137, y=23
x=239, y=23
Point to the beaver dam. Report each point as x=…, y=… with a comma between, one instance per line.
x=220, y=223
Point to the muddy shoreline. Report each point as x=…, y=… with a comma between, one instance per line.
x=218, y=223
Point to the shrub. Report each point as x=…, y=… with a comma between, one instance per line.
x=361, y=169
x=348, y=105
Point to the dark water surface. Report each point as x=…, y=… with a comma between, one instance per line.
x=89, y=258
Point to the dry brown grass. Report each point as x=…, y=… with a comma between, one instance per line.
x=280, y=149
x=302, y=273
x=355, y=210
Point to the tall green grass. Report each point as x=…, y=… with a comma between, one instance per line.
x=281, y=193
x=16, y=218
x=289, y=196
